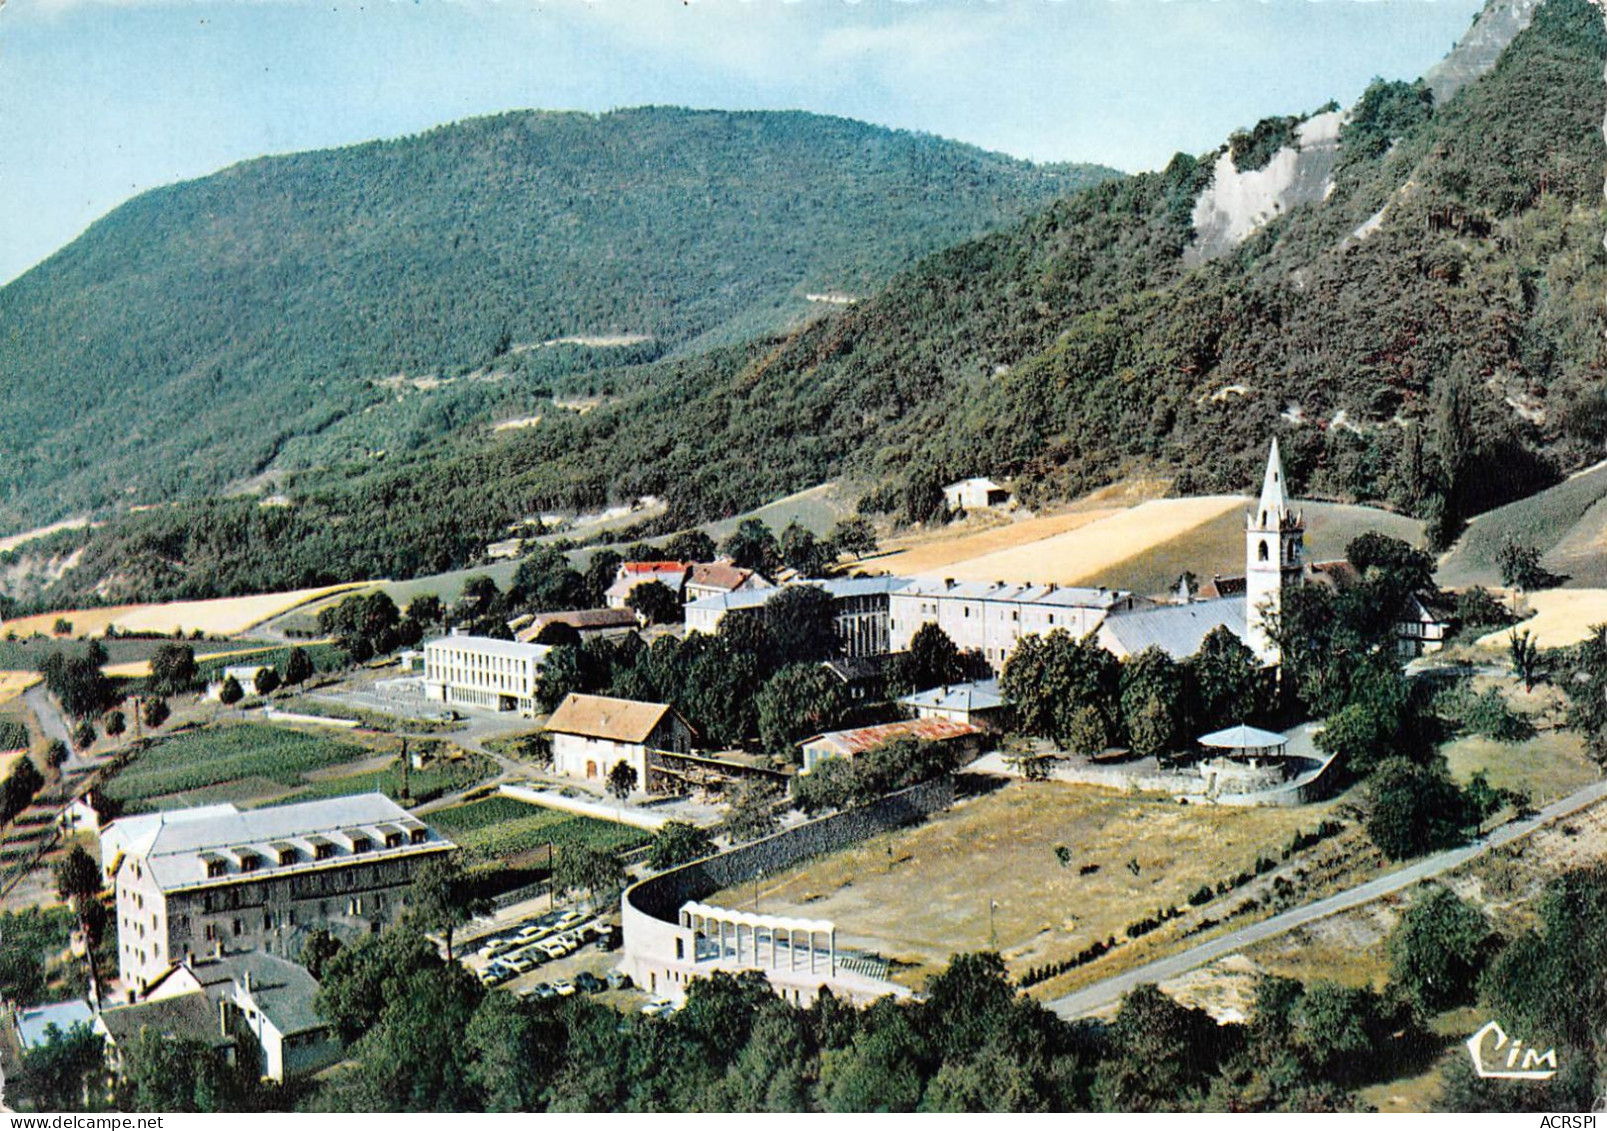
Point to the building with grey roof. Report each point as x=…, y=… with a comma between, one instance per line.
x=980, y=704
x=1177, y=630
x=260, y=880
x=991, y=618
x=861, y=606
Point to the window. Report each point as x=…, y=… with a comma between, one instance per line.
x=419, y=836
x=249, y=862
x=211, y=932
x=216, y=868
x=237, y=928
x=287, y=855
x=322, y=850
x=1261, y=551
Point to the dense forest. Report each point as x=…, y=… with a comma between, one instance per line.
x=1428, y=336
x=202, y=333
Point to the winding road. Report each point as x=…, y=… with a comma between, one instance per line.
x=1092, y=999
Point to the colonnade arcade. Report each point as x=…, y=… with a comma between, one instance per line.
x=763, y=941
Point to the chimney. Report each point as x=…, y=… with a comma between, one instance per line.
x=248, y=982
x=948, y=583
x=223, y=1017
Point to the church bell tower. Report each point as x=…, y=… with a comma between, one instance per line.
x=1274, y=557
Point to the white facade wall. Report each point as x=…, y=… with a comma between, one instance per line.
x=986, y=625
x=580, y=756
x=474, y=671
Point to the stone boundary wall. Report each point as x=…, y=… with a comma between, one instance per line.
x=659, y=952
x=619, y=814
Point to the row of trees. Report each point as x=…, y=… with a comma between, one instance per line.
x=1073, y=691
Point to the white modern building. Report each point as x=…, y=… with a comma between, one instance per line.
x=479, y=671
x=260, y=880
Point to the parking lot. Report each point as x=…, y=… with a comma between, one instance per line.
x=555, y=954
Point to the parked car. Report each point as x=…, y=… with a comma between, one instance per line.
x=568, y=919
x=588, y=983
x=618, y=980
x=563, y=989
x=554, y=948
x=658, y=1008
x=494, y=974
x=523, y=962
x=541, y=991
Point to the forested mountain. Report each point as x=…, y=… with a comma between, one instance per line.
x=1426, y=332
x=204, y=333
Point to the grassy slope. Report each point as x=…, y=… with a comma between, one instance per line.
x=1562, y=521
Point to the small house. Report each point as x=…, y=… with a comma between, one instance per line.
x=974, y=494
x=591, y=734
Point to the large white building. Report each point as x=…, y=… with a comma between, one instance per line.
x=260, y=880
x=479, y=671
x=860, y=604
x=990, y=619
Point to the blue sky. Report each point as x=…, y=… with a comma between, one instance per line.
x=102, y=99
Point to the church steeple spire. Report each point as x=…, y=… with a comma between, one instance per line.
x=1274, y=501
x=1274, y=553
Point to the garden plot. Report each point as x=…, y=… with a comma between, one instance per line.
x=501, y=827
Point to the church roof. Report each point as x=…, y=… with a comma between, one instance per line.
x=1177, y=630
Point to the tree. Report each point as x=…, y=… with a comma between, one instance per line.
x=752, y=545
x=1227, y=679
x=854, y=536
x=116, y=724
x=933, y=660
x=545, y=581
x=513, y=1052
x=266, y=682
x=1066, y=689
x=802, y=624
x=173, y=669
x=365, y=626
x=1162, y=1055
x=68, y=1071
x=622, y=779
x=19, y=789
x=1414, y=809
x=557, y=633
x=690, y=546
x=78, y=881
x=600, y=573
x=56, y=750
x=1375, y=552
x=231, y=692
x=580, y=867
x=1152, y=703
x=1520, y=567
x=799, y=701
x=352, y=992
x=83, y=735
x=1527, y=663
x=298, y=665
x=155, y=713
x=751, y=813
x=318, y=952
x=677, y=843
x=1437, y=950
x=803, y=552
x=655, y=602
x=442, y=900
x=923, y=497
x=77, y=682
x=163, y=1073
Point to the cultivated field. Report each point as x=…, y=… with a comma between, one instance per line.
x=921, y=894
x=1086, y=554
x=13, y=684
x=1561, y=617
x=931, y=555
x=500, y=827
x=253, y=764
x=225, y=616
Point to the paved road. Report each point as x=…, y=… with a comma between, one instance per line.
x=1092, y=999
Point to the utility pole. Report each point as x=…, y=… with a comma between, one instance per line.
x=993, y=935
x=407, y=793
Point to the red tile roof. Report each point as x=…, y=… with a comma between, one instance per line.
x=865, y=738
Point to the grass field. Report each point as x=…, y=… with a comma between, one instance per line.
x=211, y=663
x=14, y=683
x=1217, y=546
x=1553, y=764
x=1565, y=522
x=27, y=655
x=921, y=894
x=501, y=826
x=226, y=616
x=1561, y=617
